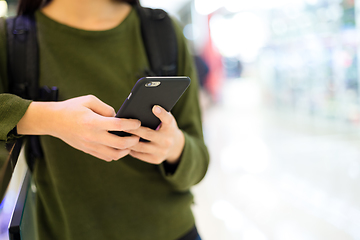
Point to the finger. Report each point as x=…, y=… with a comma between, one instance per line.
x=107, y=153
x=149, y=158
x=99, y=106
x=98, y=155
x=146, y=133
x=144, y=147
x=164, y=116
x=119, y=124
x=113, y=141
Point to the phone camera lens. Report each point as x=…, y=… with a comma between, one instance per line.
x=152, y=84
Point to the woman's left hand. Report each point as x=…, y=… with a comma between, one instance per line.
x=166, y=143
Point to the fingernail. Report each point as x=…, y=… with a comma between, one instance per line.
x=157, y=109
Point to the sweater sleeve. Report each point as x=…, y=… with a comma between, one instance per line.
x=12, y=108
x=195, y=158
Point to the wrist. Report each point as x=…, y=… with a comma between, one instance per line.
x=37, y=119
x=178, y=149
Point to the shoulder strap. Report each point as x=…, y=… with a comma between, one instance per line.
x=23, y=71
x=160, y=42
x=23, y=59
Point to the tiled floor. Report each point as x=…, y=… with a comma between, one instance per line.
x=275, y=176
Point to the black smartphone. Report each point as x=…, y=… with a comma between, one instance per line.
x=150, y=91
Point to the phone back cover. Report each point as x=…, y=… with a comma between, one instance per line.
x=142, y=99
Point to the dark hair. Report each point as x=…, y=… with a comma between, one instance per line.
x=30, y=6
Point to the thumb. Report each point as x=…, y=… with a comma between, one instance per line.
x=164, y=116
x=99, y=107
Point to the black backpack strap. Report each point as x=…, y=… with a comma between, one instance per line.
x=23, y=70
x=23, y=57
x=160, y=41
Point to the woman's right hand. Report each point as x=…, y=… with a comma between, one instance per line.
x=83, y=123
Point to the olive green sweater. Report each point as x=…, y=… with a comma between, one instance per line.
x=79, y=196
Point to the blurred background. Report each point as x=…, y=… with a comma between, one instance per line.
x=281, y=115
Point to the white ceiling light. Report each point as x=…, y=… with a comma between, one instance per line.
x=3, y=8
x=206, y=7
x=243, y=34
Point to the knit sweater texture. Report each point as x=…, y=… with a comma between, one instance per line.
x=79, y=196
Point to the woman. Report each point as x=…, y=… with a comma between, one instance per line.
x=92, y=184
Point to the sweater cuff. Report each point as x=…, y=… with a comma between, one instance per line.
x=12, y=109
x=180, y=172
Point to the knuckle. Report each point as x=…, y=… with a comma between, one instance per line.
x=168, y=119
x=137, y=123
x=168, y=142
x=153, y=159
x=112, y=111
x=90, y=97
x=158, y=160
x=114, y=154
x=121, y=154
x=109, y=111
x=109, y=156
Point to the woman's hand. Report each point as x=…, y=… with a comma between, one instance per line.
x=166, y=143
x=83, y=123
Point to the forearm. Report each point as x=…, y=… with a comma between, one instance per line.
x=39, y=119
x=83, y=123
